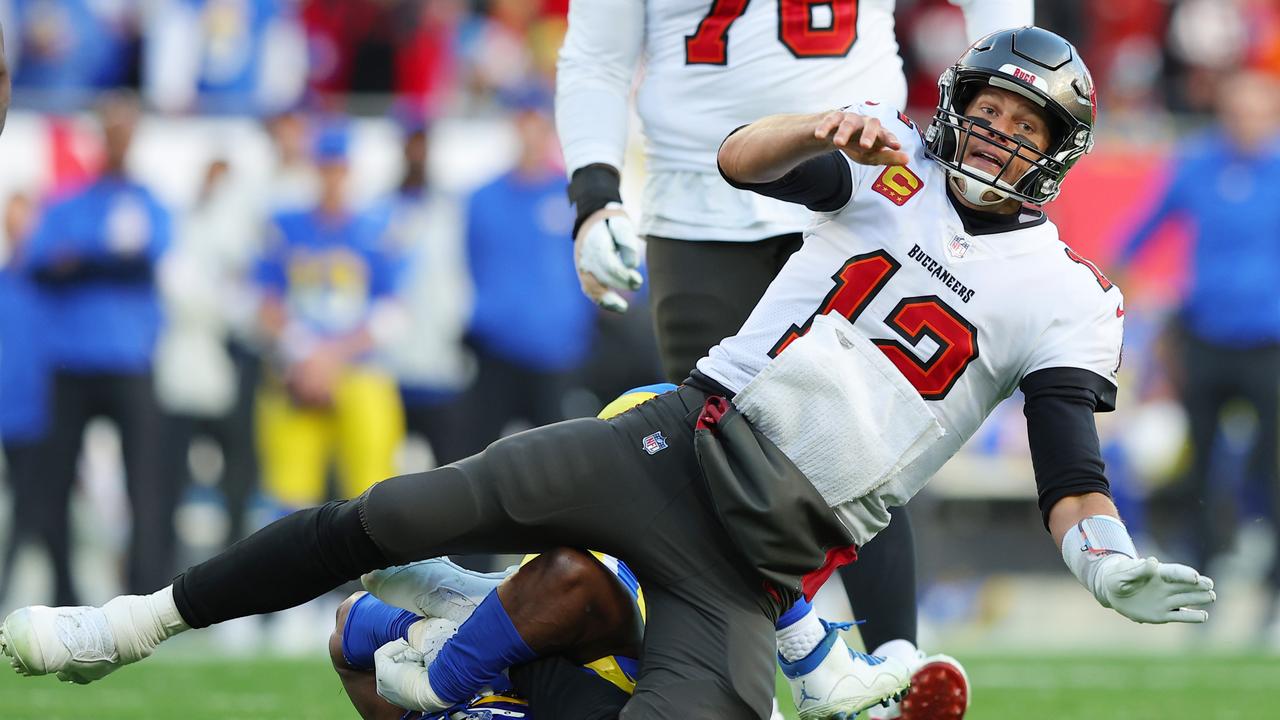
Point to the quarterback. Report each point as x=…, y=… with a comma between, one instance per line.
x=711, y=249
x=866, y=365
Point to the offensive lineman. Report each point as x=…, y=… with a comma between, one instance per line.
x=926, y=294
x=711, y=248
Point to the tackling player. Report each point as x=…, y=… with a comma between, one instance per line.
x=930, y=289
x=713, y=249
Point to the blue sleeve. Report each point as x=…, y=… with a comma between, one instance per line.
x=269, y=271
x=386, y=264
x=1172, y=201
x=40, y=246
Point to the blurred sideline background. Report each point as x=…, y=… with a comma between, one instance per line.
x=407, y=111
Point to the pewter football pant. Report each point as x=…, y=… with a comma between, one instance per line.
x=629, y=486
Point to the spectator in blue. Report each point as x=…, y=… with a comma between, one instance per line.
x=1226, y=184
x=531, y=329
x=430, y=363
x=224, y=56
x=327, y=278
x=24, y=411
x=69, y=50
x=93, y=256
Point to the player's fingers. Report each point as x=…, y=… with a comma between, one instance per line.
x=870, y=132
x=1175, y=573
x=849, y=126
x=612, y=301
x=828, y=125
x=889, y=157
x=1192, y=599
x=1186, y=615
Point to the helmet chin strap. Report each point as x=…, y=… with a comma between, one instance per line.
x=977, y=192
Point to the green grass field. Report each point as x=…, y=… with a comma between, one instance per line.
x=1005, y=688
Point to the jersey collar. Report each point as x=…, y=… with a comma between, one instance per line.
x=977, y=222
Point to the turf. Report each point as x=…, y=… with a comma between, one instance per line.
x=1005, y=687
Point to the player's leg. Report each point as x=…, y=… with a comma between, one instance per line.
x=708, y=649
x=153, y=494
x=72, y=409
x=585, y=482
x=369, y=427
x=293, y=444
x=1204, y=392
x=1263, y=378
x=702, y=292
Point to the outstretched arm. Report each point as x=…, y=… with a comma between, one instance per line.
x=1083, y=520
x=769, y=148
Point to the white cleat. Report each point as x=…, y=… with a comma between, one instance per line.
x=75, y=643
x=434, y=588
x=836, y=682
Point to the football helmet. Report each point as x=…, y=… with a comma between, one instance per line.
x=1040, y=66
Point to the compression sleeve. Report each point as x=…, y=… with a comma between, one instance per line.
x=1065, y=452
x=823, y=183
x=982, y=17
x=593, y=80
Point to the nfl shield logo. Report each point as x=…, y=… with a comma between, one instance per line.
x=958, y=246
x=653, y=443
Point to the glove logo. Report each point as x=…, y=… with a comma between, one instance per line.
x=653, y=443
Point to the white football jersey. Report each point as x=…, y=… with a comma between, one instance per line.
x=710, y=66
x=964, y=316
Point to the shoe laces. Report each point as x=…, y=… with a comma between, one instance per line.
x=864, y=657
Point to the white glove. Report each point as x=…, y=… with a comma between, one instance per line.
x=1146, y=590
x=402, y=678
x=1102, y=556
x=607, y=252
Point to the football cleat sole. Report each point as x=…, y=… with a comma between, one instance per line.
x=939, y=691
x=848, y=711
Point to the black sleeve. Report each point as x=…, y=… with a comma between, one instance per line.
x=130, y=270
x=591, y=188
x=1102, y=389
x=1064, y=444
x=823, y=183
x=559, y=689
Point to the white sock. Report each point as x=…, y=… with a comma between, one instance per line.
x=141, y=622
x=902, y=650
x=800, y=637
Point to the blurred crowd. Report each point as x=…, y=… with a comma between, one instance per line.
x=306, y=322
x=301, y=332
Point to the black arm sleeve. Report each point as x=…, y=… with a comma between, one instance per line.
x=591, y=188
x=823, y=183
x=1064, y=444
x=131, y=270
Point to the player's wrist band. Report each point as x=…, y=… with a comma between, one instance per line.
x=1092, y=539
x=593, y=187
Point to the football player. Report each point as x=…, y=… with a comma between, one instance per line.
x=712, y=249
x=561, y=603
x=931, y=288
x=564, y=602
